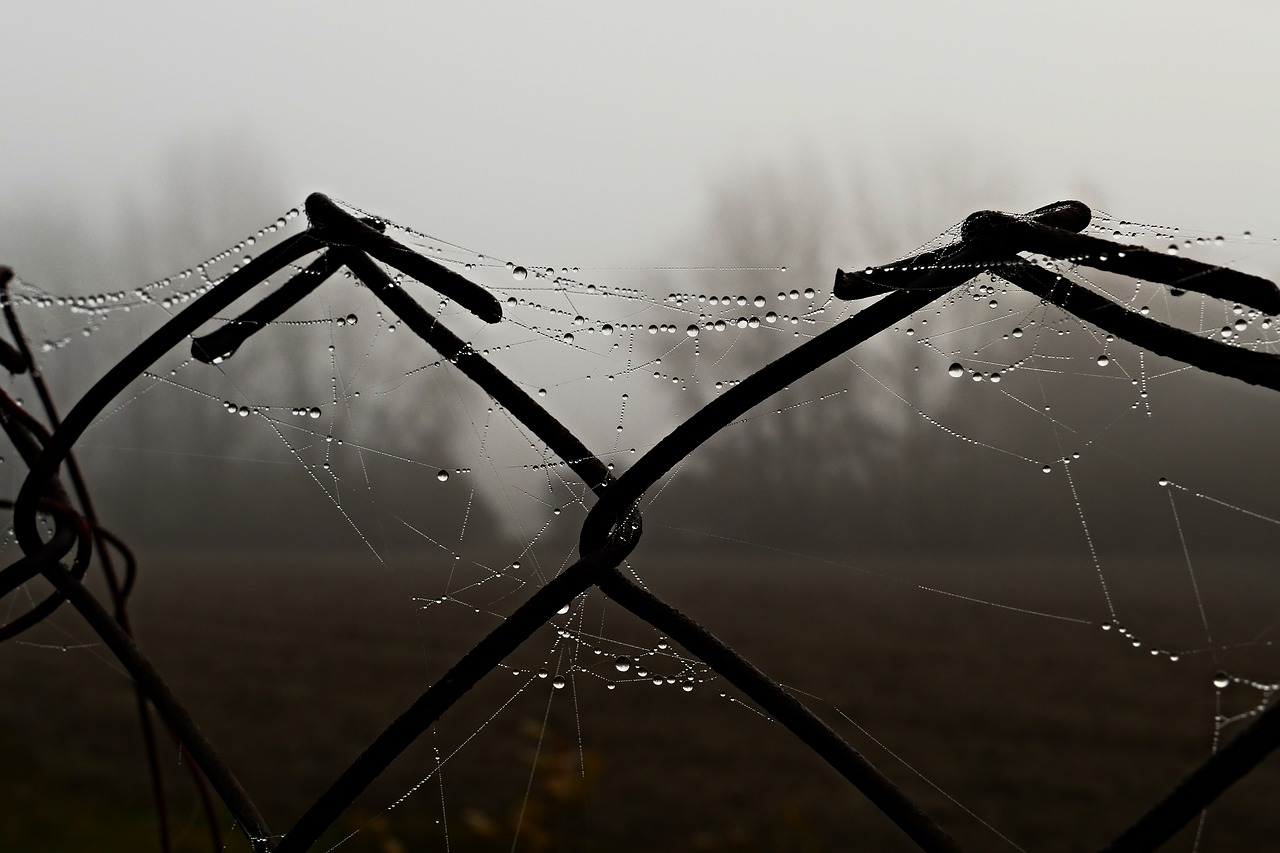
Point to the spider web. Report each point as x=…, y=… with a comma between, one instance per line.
x=1015, y=561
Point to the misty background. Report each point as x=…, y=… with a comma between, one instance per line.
x=142, y=140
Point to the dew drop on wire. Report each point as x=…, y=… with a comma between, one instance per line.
x=314, y=413
x=352, y=319
x=563, y=610
x=443, y=475
x=558, y=682
x=519, y=273
x=1017, y=333
x=1164, y=481
x=956, y=370
x=1103, y=360
x=1221, y=679
x=622, y=663
x=542, y=673
x=758, y=302
x=692, y=331
x=606, y=329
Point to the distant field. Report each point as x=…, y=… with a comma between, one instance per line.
x=1052, y=732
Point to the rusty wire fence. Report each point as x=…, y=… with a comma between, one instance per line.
x=58, y=529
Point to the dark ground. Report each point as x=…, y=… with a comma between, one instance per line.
x=1056, y=734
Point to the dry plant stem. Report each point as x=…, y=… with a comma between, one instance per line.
x=119, y=592
x=783, y=707
x=1252, y=366
x=174, y=714
x=58, y=447
x=439, y=697
x=1200, y=788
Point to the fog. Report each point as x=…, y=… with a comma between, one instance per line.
x=141, y=140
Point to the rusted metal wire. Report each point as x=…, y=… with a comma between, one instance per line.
x=988, y=242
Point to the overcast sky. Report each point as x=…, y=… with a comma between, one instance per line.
x=595, y=131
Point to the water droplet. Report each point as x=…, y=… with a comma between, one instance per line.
x=519, y=273
x=956, y=370
x=1226, y=332
x=1047, y=469
x=1240, y=325
x=1221, y=679
x=994, y=377
x=352, y=319
x=809, y=293
x=771, y=317
x=567, y=337
x=692, y=331
x=1173, y=249
x=542, y=392
x=542, y=673
x=558, y=682
x=758, y=302
x=622, y=664
x=1164, y=481
x=687, y=687
x=443, y=475
x=314, y=412
x=563, y=610
x=1103, y=360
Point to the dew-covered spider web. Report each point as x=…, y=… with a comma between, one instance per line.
x=1025, y=567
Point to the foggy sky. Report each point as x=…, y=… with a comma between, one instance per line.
x=582, y=133
x=574, y=135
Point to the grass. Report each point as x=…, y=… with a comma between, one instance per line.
x=1055, y=733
